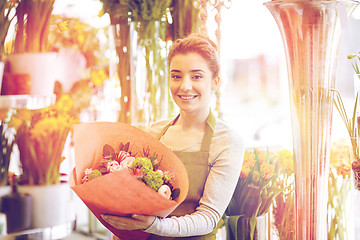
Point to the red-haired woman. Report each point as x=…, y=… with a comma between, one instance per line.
x=210, y=150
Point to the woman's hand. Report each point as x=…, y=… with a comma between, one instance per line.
x=134, y=222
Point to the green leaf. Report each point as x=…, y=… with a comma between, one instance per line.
x=108, y=150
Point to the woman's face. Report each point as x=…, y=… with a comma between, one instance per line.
x=191, y=82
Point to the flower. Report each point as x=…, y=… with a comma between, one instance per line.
x=144, y=168
x=340, y=157
x=256, y=186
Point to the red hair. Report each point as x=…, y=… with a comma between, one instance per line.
x=200, y=44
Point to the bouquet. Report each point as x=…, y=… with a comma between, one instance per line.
x=145, y=168
x=115, y=183
x=255, y=190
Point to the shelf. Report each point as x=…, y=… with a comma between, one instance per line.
x=26, y=101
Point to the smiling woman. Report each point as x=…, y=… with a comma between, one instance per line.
x=211, y=152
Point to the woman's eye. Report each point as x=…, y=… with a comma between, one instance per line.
x=197, y=77
x=175, y=77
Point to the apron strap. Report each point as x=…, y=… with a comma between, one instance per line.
x=209, y=131
x=167, y=127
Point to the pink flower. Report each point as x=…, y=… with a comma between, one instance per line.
x=165, y=191
x=138, y=173
x=122, y=155
x=113, y=166
x=127, y=163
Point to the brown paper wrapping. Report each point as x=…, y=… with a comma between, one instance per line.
x=121, y=193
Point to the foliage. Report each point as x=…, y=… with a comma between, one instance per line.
x=256, y=186
x=6, y=17
x=41, y=135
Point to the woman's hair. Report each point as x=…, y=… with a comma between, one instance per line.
x=200, y=44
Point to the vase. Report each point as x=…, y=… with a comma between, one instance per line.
x=238, y=228
x=148, y=72
x=51, y=204
x=41, y=67
x=311, y=32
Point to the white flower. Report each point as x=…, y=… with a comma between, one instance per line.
x=165, y=191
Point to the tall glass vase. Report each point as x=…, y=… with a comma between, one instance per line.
x=311, y=32
x=148, y=72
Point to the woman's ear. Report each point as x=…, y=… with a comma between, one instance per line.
x=215, y=83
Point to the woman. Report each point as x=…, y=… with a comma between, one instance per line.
x=211, y=152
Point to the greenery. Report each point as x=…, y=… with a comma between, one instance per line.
x=32, y=28
x=6, y=17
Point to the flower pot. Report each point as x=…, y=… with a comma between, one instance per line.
x=51, y=205
x=238, y=228
x=40, y=67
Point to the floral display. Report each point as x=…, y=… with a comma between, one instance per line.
x=256, y=187
x=110, y=178
x=144, y=168
x=40, y=136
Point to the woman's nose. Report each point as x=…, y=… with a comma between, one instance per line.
x=186, y=84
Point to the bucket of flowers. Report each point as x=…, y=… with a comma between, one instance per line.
x=253, y=196
x=40, y=136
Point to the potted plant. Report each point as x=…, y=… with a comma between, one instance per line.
x=41, y=136
x=30, y=49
